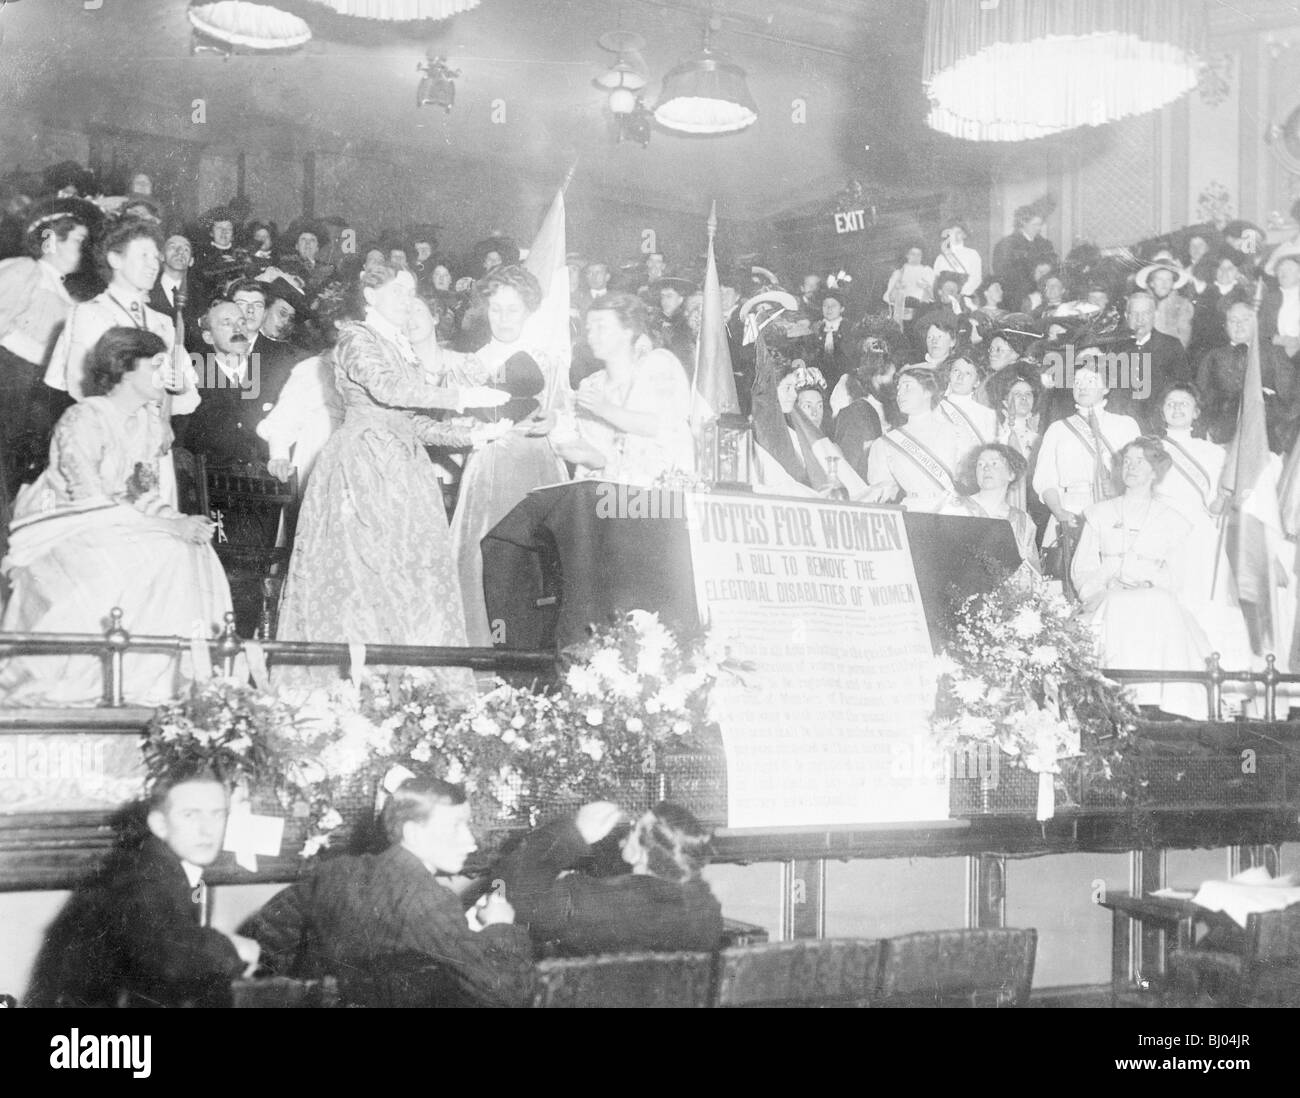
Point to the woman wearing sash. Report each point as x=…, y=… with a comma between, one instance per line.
x=91, y=534
x=916, y=460
x=1192, y=487
x=1128, y=573
x=975, y=423
x=995, y=469
x=1077, y=455
x=1016, y=393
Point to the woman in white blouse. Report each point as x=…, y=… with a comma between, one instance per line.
x=629, y=420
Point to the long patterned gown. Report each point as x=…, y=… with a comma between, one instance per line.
x=91, y=534
x=372, y=560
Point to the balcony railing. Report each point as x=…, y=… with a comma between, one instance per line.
x=115, y=644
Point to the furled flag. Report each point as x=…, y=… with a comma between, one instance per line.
x=1254, y=526
x=713, y=390
x=547, y=330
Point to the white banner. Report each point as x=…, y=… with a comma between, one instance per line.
x=832, y=726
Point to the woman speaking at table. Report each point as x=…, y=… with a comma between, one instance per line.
x=629, y=420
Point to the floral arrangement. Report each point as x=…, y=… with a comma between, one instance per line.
x=624, y=695
x=1022, y=672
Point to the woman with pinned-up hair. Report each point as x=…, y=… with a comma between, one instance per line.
x=662, y=904
x=504, y=471
x=372, y=557
x=629, y=420
x=993, y=470
x=918, y=460
x=1129, y=573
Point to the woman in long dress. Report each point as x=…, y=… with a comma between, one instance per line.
x=500, y=475
x=91, y=534
x=918, y=460
x=372, y=558
x=1192, y=486
x=629, y=420
x=994, y=469
x=1127, y=571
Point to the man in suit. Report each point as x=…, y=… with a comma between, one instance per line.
x=240, y=388
x=1163, y=363
x=389, y=929
x=138, y=934
x=172, y=285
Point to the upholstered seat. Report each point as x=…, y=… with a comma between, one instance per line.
x=993, y=967
x=626, y=980
x=806, y=973
x=1266, y=972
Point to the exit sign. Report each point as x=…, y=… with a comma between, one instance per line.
x=851, y=221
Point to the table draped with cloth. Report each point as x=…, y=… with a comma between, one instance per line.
x=556, y=563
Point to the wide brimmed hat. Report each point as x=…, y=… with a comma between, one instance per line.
x=52, y=209
x=682, y=285
x=1181, y=277
x=281, y=287
x=773, y=298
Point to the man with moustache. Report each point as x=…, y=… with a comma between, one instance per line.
x=1163, y=359
x=863, y=401
x=239, y=391
x=138, y=936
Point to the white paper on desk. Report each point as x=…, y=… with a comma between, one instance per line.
x=1249, y=892
x=1173, y=893
x=248, y=835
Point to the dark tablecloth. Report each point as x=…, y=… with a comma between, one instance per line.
x=553, y=566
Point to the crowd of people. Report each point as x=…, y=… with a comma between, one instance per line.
x=1012, y=389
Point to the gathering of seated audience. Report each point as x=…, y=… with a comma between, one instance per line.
x=978, y=371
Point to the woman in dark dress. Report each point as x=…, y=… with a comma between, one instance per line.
x=661, y=905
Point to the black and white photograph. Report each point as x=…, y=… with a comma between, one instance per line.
x=650, y=504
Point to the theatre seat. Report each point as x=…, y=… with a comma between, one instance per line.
x=1266, y=973
x=626, y=980
x=972, y=968
x=808, y=973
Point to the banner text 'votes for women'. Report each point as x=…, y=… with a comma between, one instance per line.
x=822, y=598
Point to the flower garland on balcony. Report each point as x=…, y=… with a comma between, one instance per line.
x=625, y=695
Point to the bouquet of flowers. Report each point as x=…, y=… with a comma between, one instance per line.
x=1022, y=673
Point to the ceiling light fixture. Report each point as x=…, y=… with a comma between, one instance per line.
x=1022, y=69
x=706, y=93
x=437, y=85
x=401, y=10
x=235, y=25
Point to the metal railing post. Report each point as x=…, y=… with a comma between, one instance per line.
x=1270, y=680
x=229, y=646
x=1214, y=687
x=117, y=640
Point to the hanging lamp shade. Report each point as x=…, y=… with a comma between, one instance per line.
x=1031, y=68
x=401, y=10
x=706, y=93
x=244, y=25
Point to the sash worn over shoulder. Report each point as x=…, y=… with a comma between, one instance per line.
x=960, y=419
x=921, y=456
x=1086, y=437
x=1192, y=470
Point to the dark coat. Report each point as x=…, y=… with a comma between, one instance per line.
x=191, y=314
x=576, y=914
x=1169, y=366
x=132, y=937
x=1221, y=378
x=1014, y=260
x=855, y=428
x=223, y=428
x=392, y=935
